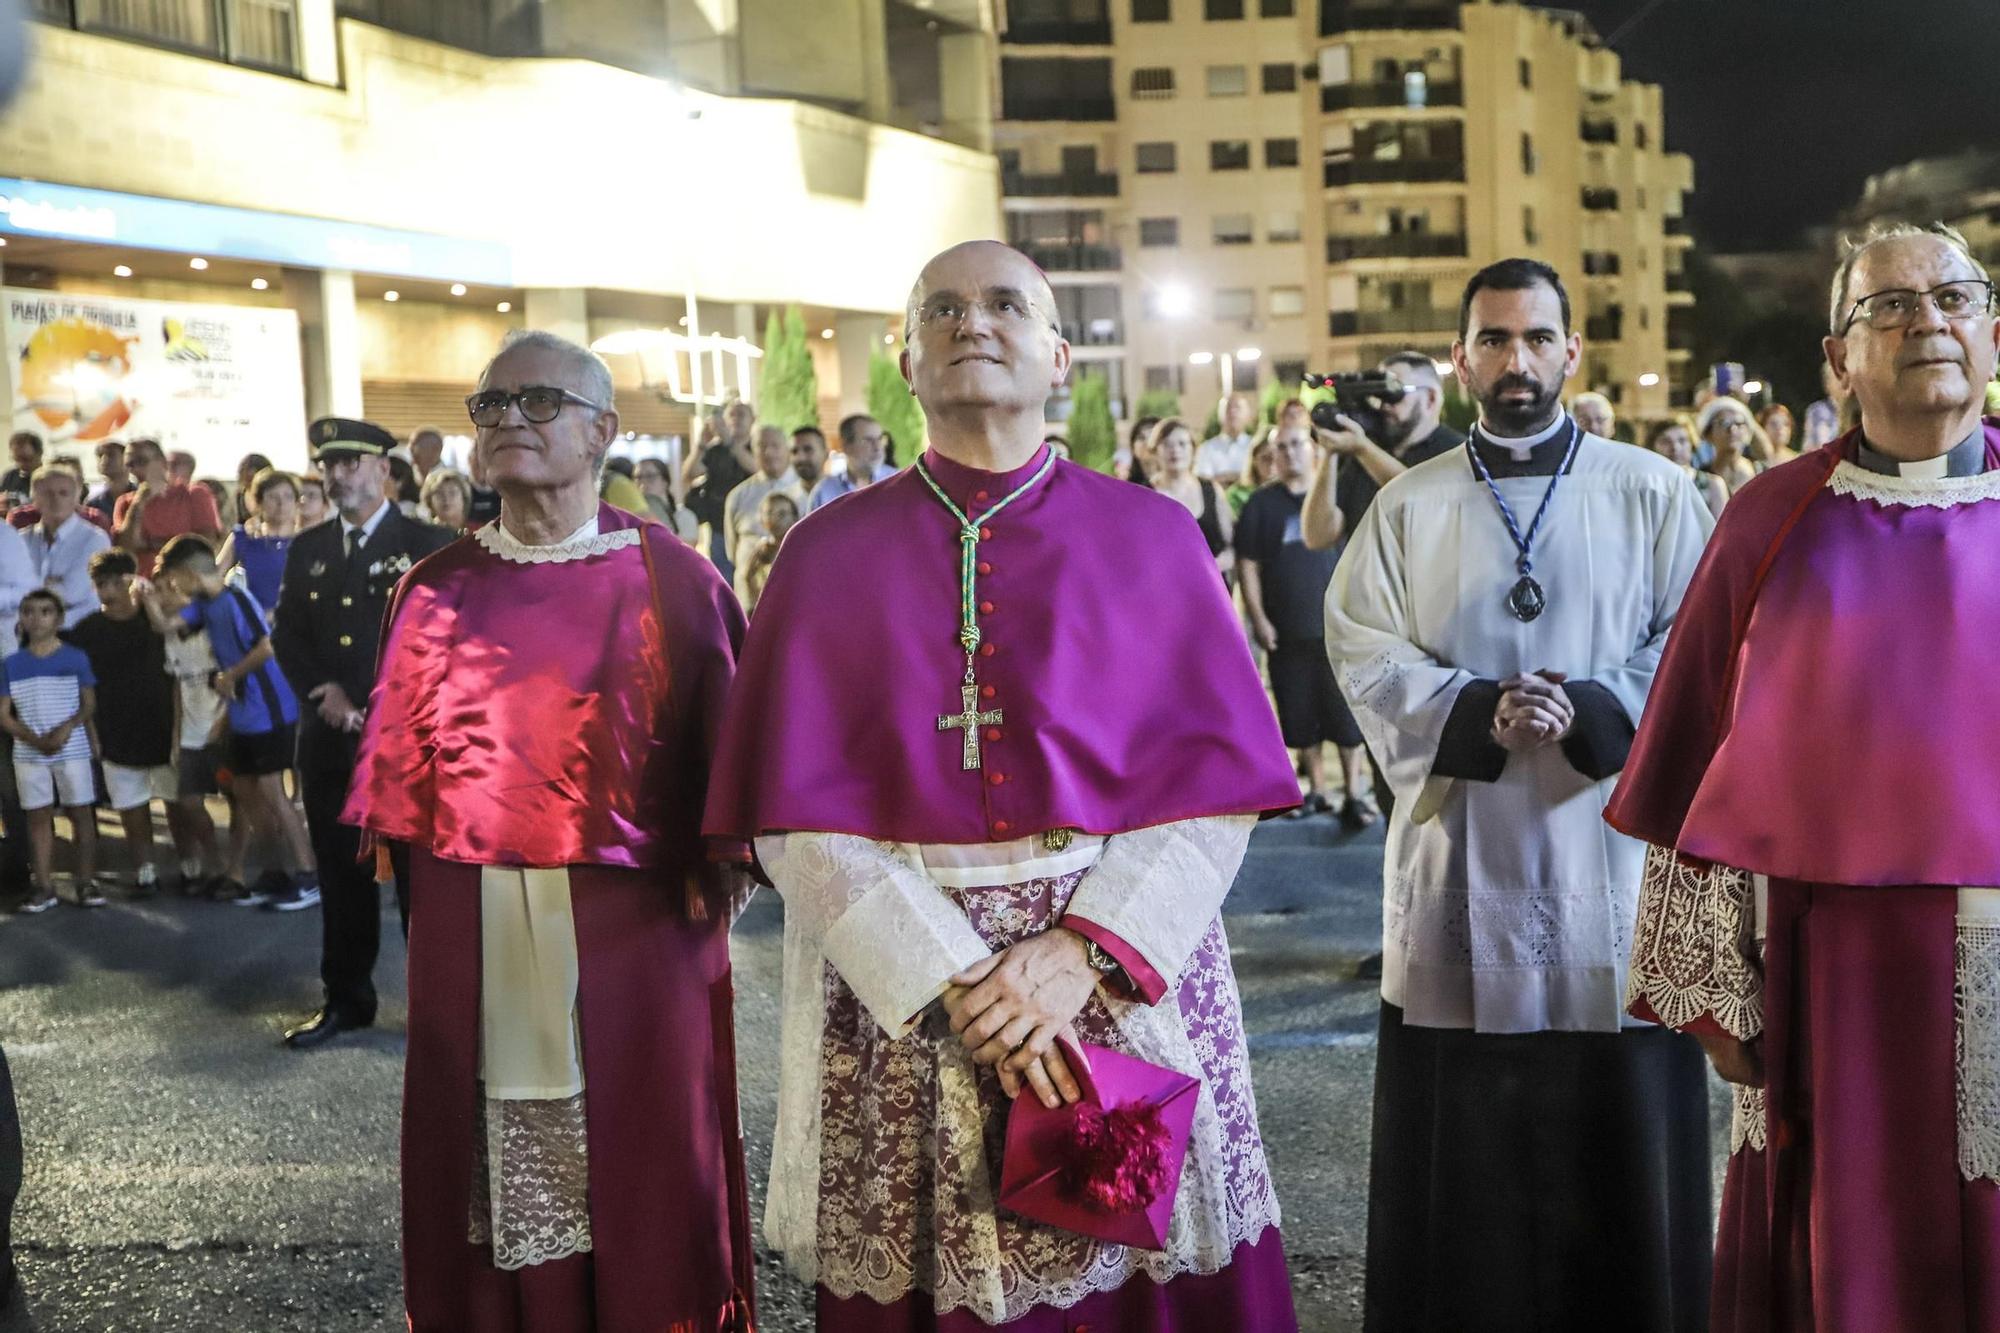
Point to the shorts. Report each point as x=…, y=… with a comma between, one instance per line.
x=197, y=774
x=262, y=752
x=129, y=788
x=1310, y=709
x=68, y=782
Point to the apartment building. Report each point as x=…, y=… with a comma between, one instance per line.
x=1228, y=191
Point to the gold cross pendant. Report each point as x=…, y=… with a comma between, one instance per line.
x=969, y=719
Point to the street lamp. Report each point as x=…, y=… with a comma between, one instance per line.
x=1648, y=380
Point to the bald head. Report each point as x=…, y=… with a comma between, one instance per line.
x=982, y=334
x=949, y=271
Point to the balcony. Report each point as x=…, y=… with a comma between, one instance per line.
x=1095, y=333
x=1073, y=184
x=1599, y=200
x=1414, y=319
x=1402, y=245
x=1678, y=282
x=1600, y=131
x=1058, y=32
x=1392, y=93
x=1342, y=16
x=262, y=34
x=1412, y=170
x=1604, y=328
x=1058, y=108
x=1677, y=226
x=1601, y=264
x=1074, y=258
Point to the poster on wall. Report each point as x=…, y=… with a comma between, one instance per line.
x=218, y=381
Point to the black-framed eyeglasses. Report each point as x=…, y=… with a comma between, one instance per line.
x=540, y=404
x=1886, y=311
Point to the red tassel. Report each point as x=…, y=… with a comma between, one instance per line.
x=1117, y=1158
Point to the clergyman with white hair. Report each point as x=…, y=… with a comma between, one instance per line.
x=1814, y=775
x=539, y=740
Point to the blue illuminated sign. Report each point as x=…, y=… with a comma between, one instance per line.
x=34, y=208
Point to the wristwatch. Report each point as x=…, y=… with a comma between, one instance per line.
x=1099, y=958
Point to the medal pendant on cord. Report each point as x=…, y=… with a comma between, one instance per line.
x=1525, y=600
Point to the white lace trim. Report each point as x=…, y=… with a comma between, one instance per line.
x=1978, y=1048
x=1747, y=1128
x=1913, y=492
x=530, y=1181
x=582, y=544
x=1695, y=953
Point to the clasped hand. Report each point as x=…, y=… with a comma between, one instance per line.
x=1009, y=1009
x=1534, y=710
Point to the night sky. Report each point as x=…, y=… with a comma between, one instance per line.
x=1787, y=106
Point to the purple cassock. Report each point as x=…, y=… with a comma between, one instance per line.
x=1117, y=695
x=1816, y=766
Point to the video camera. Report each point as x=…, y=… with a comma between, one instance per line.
x=1358, y=395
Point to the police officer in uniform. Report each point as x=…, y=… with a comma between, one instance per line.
x=338, y=580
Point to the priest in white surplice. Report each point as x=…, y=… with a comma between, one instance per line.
x=1540, y=1161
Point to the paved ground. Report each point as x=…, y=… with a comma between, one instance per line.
x=185, y=1172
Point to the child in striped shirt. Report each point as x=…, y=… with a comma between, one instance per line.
x=51, y=694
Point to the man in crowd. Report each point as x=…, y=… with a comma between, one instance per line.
x=163, y=505
x=1592, y=412
x=1226, y=457
x=1284, y=590
x=117, y=478
x=570, y=1081
x=1048, y=857
x=24, y=447
x=861, y=454
x=1819, y=933
x=62, y=542
x=713, y=474
x=1354, y=468
x=337, y=584
x=426, y=450
x=741, y=515
x=1496, y=622
x=808, y=460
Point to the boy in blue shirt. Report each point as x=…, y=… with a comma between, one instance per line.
x=51, y=694
x=263, y=713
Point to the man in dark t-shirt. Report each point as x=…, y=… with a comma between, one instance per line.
x=1284, y=587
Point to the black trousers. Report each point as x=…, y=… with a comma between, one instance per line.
x=15, y=875
x=350, y=906
x=10, y=1176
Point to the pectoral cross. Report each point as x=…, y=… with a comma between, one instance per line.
x=970, y=720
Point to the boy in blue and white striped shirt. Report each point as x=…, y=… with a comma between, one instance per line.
x=51, y=694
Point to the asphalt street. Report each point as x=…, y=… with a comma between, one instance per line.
x=187, y=1172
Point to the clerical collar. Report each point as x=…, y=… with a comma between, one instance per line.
x=965, y=484
x=1537, y=455
x=1967, y=458
x=586, y=541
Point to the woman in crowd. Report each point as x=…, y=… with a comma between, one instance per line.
x=1779, y=430
x=1171, y=448
x=246, y=476
x=313, y=509
x=1129, y=462
x=447, y=498
x=1729, y=429
x=258, y=546
x=1263, y=467
x=1671, y=438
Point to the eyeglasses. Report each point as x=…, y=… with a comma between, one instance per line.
x=1894, y=309
x=540, y=404
x=1007, y=309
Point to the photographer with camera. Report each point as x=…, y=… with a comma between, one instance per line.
x=1383, y=430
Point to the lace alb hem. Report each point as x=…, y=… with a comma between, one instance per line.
x=1913, y=492
x=530, y=1181
x=1746, y=1119
x=587, y=544
x=1695, y=952
x=1978, y=1048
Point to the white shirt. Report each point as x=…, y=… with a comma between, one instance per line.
x=62, y=563
x=1508, y=906
x=367, y=527
x=1223, y=456
x=17, y=580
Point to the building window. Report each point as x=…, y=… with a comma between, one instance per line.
x=1281, y=78
x=1159, y=231
x=1527, y=73
x=1055, y=88
x=1153, y=83
x=1229, y=155
x=1283, y=226
x=1236, y=303
x=1277, y=9
x=1222, y=9
x=263, y=35
x=1234, y=229
x=1527, y=154
x=1151, y=11
x=1167, y=378
x=1287, y=301
x=1155, y=157
x=1639, y=134
x=1281, y=152
x=1288, y=372
x=1530, y=234
x=1228, y=80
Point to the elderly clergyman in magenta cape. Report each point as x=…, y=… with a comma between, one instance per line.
x=999, y=743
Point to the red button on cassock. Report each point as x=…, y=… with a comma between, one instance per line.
x=996, y=778
x=980, y=495
x=987, y=691
x=986, y=534
x=985, y=568
x=1001, y=826
x=993, y=733
x=986, y=608
x=987, y=650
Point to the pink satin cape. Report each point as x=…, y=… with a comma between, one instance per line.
x=1111, y=648
x=551, y=714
